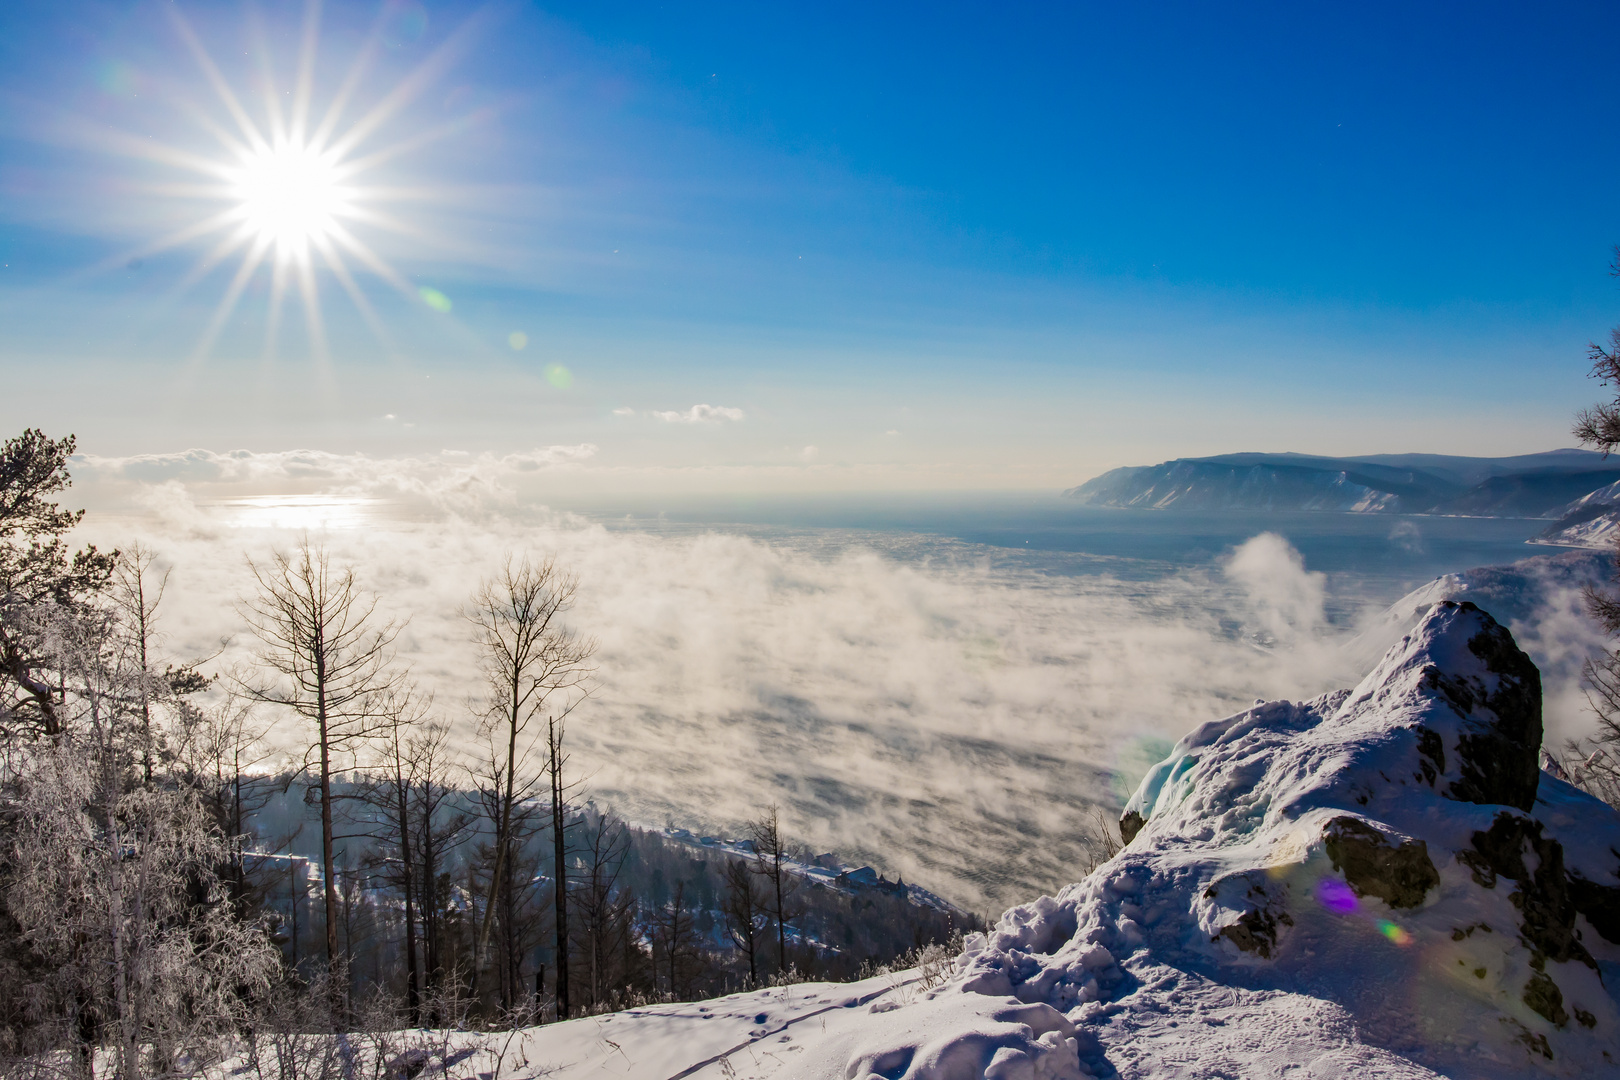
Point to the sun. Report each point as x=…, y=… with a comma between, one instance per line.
x=290, y=196
x=292, y=186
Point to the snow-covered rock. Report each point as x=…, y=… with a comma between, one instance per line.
x=1387, y=861
x=1541, y=600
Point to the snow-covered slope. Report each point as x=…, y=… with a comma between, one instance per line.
x=1593, y=520
x=1378, y=882
x=1218, y=485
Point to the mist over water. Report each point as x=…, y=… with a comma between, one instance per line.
x=944, y=692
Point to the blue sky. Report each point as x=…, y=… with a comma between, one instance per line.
x=890, y=246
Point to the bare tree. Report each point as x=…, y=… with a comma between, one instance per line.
x=516, y=926
x=138, y=588
x=770, y=863
x=745, y=915
x=536, y=672
x=390, y=796
x=604, y=928
x=218, y=750
x=438, y=826
x=560, y=791
x=674, y=942
x=329, y=661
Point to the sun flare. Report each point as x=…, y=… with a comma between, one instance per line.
x=297, y=173
x=290, y=196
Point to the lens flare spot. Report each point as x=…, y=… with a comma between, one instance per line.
x=1336, y=896
x=117, y=78
x=405, y=21
x=435, y=299
x=559, y=376
x=518, y=340
x=1394, y=933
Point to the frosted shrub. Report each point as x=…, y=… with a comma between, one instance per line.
x=112, y=882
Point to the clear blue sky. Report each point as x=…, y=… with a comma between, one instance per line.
x=908, y=245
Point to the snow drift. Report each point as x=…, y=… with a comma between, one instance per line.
x=1378, y=882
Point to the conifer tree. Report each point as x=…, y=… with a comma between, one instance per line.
x=37, y=571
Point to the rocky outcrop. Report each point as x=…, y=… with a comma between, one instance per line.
x=1397, y=870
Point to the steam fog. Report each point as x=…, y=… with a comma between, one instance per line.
x=947, y=711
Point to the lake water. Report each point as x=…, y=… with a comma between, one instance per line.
x=1367, y=557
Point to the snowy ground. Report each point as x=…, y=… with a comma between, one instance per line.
x=1173, y=1024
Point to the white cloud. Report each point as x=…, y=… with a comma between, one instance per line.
x=808, y=453
x=624, y=411
x=700, y=414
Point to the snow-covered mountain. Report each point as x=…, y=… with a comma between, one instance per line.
x=1593, y=520
x=1532, y=485
x=1378, y=882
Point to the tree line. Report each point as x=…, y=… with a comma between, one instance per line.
x=150, y=896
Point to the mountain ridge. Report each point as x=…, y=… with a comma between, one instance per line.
x=1524, y=486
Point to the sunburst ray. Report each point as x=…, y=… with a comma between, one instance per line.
x=293, y=180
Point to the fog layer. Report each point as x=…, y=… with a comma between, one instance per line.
x=947, y=711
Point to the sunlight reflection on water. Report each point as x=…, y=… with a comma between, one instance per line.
x=298, y=512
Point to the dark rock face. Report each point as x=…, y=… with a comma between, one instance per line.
x=1400, y=875
x=1599, y=903
x=1542, y=995
x=1255, y=931
x=1548, y=899
x=1130, y=825
x=1543, y=897
x=1498, y=760
x=1259, y=930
